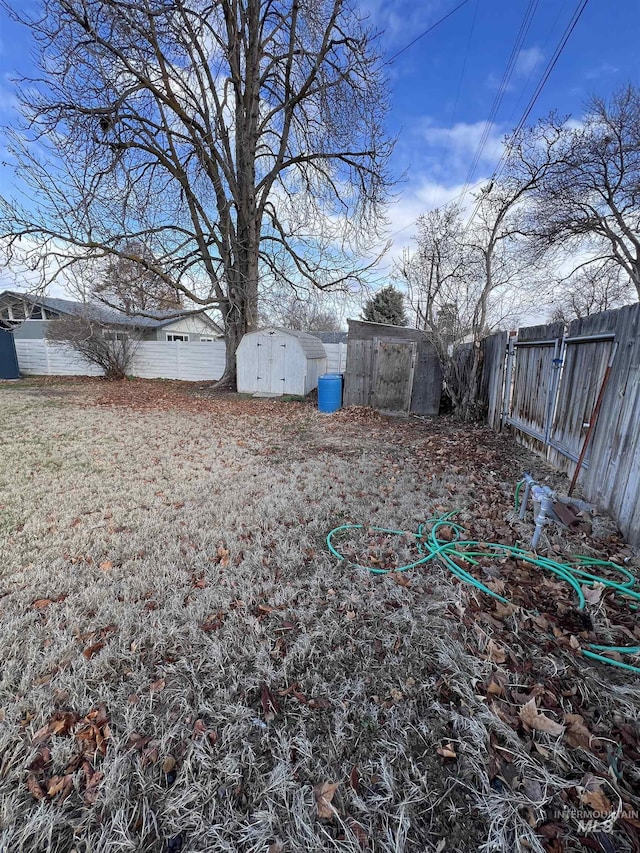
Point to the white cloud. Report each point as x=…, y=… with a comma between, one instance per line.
x=401, y=20
x=527, y=61
x=604, y=70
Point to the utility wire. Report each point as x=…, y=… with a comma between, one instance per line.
x=545, y=76
x=426, y=32
x=503, y=85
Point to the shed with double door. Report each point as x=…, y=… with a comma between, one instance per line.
x=276, y=361
x=394, y=369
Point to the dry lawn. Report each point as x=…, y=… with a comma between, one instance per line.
x=186, y=668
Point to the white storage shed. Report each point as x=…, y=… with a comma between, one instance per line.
x=280, y=361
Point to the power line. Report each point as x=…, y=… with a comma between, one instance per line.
x=545, y=76
x=426, y=32
x=503, y=85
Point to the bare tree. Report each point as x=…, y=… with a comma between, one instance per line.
x=132, y=286
x=467, y=280
x=238, y=140
x=590, y=196
x=591, y=290
x=308, y=314
x=108, y=346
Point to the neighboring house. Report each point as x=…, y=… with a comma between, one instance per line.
x=27, y=316
x=331, y=337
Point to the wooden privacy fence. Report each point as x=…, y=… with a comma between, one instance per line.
x=546, y=383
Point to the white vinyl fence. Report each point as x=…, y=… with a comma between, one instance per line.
x=192, y=361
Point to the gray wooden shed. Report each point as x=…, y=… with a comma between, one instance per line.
x=280, y=361
x=394, y=369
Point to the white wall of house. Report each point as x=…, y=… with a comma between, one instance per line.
x=153, y=360
x=195, y=327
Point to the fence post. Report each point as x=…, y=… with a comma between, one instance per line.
x=506, y=399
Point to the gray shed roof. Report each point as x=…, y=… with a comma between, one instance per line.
x=311, y=346
x=103, y=313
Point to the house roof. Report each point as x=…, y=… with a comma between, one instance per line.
x=331, y=337
x=103, y=313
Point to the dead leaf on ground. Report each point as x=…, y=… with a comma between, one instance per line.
x=324, y=793
x=270, y=707
x=447, y=751
x=503, y=611
x=593, y=594
x=495, y=652
x=360, y=833
x=90, y=651
x=105, y=565
x=42, y=603
x=533, y=718
x=34, y=787
x=168, y=764
x=596, y=800
x=578, y=735
x=158, y=685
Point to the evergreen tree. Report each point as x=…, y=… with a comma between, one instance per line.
x=387, y=306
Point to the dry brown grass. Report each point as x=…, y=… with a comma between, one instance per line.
x=163, y=568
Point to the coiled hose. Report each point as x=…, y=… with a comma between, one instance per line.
x=466, y=551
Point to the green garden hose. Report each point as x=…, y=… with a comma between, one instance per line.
x=466, y=551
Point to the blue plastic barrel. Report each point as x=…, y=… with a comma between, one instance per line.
x=330, y=392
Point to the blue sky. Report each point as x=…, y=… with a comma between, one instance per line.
x=443, y=87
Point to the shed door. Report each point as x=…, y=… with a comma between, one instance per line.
x=278, y=364
x=271, y=362
x=264, y=346
x=393, y=376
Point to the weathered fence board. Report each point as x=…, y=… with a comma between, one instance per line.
x=494, y=349
x=550, y=405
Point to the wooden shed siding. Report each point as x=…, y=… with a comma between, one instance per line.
x=360, y=367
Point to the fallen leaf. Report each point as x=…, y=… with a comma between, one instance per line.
x=34, y=787
x=503, y=611
x=401, y=579
x=168, y=764
x=530, y=715
x=495, y=652
x=105, y=565
x=90, y=651
x=578, y=735
x=324, y=794
x=596, y=800
x=360, y=833
x=158, y=685
x=199, y=728
x=354, y=779
x=447, y=751
x=270, y=707
x=593, y=594
x=42, y=603
x=318, y=702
